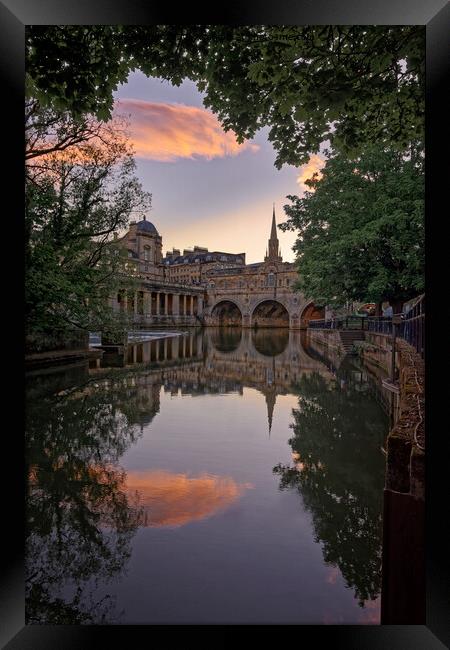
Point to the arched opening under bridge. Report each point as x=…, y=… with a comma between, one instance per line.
x=270, y=313
x=311, y=312
x=227, y=313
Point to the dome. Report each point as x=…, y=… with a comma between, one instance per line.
x=146, y=226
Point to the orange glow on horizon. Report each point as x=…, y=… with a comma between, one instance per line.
x=177, y=499
x=167, y=132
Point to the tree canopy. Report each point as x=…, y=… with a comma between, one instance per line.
x=361, y=229
x=77, y=198
x=350, y=85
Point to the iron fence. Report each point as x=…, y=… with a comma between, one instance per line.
x=409, y=325
x=351, y=322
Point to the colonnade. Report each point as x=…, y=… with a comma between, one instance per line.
x=166, y=349
x=160, y=303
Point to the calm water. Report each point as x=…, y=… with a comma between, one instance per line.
x=217, y=477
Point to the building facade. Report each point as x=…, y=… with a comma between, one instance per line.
x=214, y=288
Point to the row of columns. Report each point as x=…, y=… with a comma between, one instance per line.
x=167, y=349
x=161, y=303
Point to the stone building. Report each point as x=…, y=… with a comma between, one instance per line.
x=210, y=288
x=260, y=294
x=192, y=266
x=157, y=301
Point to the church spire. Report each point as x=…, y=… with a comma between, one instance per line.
x=270, y=402
x=274, y=249
x=273, y=232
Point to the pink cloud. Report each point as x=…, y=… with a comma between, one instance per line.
x=176, y=499
x=314, y=165
x=167, y=132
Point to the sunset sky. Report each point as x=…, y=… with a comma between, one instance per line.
x=206, y=189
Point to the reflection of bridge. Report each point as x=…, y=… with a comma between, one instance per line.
x=220, y=361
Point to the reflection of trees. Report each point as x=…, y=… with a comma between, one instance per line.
x=339, y=472
x=79, y=518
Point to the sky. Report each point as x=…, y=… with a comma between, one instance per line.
x=207, y=190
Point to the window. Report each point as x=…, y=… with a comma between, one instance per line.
x=271, y=280
x=146, y=253
x=287, y=282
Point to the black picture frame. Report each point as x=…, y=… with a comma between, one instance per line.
x=435, y=14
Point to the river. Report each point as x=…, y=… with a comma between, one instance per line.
x=221, y=476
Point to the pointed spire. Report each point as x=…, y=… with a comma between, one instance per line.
x=273, y=253
x=273, y=232
x=270, y=401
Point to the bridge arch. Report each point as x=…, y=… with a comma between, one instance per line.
x=310, y=312
x=226, y=312
x=270, y=313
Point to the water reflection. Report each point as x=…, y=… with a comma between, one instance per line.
x=270, y=342
x=84, y=509
x=226, y=339
x=80, y=519
x=177, y=499
x=339, y=472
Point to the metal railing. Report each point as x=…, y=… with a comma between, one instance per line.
x=351, y=322
x=380, y=324
x=409, y=326
x=413, y=327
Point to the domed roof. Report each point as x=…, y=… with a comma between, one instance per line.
x=147, y=226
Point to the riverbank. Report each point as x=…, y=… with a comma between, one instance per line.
x=403, y=599
x=86, y=348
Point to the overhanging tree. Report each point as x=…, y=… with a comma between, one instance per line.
x=351, y=85
x=77, y=198
x=361, y=229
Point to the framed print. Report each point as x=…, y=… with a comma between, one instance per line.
x=224, y=334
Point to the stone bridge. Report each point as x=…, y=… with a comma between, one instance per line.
x=272, y=307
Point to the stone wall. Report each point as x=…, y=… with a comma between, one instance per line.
x=75, y=340
x=328, y=341
x=405, y=464
x=405, y=470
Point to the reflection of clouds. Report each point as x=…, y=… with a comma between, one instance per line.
x=332, y=575
x=370, y=615
x=166, y=132
x=177, y=499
